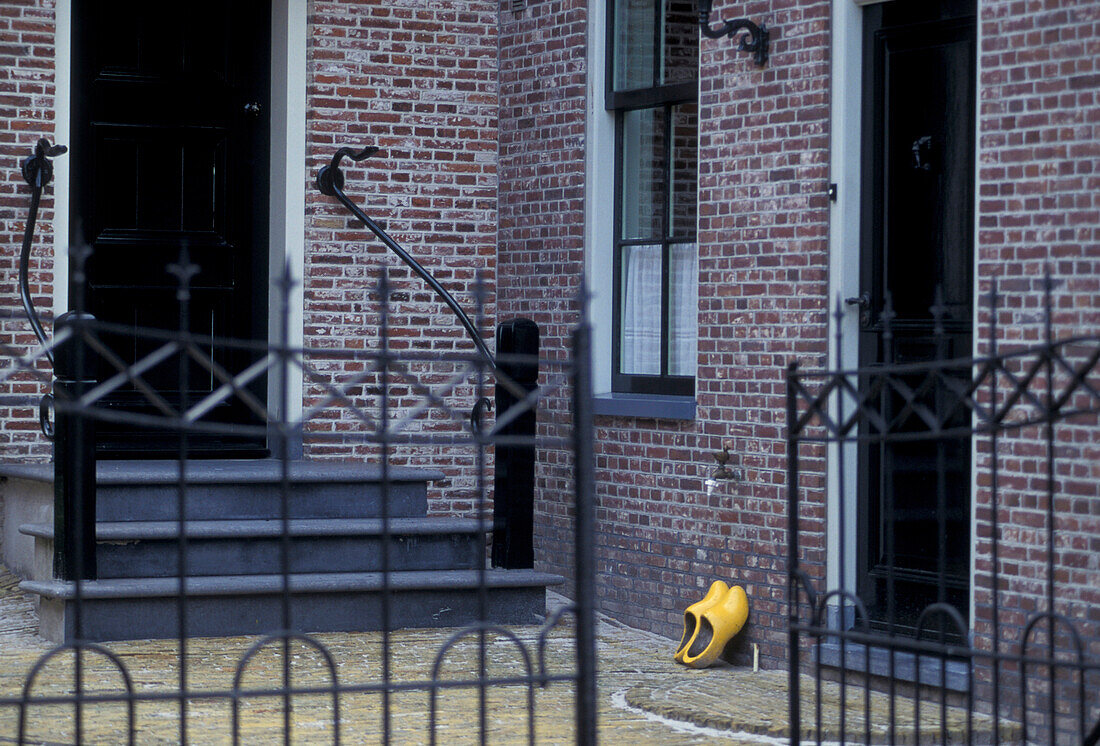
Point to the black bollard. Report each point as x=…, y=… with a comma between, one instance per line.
x=514, y=480
x=74, y=460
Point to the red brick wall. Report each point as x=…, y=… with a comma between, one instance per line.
x=763, y=255
x=483, y=125
x=763, y=240
x=26, y=114
x=1039, y=209
x=541, y=253
x=419, y=81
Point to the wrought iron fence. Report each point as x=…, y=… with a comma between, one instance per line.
x=1013, y=658
x=186, y=414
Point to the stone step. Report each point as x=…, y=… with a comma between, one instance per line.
x=249, y=489
x=234, y=528
x=131, y=549
x=148, y=608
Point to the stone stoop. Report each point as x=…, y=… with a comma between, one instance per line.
x=334, y=545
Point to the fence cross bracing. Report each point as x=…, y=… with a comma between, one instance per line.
x=1015, y=656
x=480, y=656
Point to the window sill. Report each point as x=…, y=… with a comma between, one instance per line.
x=905, y=665
x=645, y=405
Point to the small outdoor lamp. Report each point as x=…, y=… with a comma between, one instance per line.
x=755, y=41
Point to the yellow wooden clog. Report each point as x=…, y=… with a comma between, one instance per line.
x=717, y=626
x=717, y=592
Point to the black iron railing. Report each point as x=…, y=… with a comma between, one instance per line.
x=330, y=181
x=516, y=379
x=287, y=666
x=1007, y=665
x=38, y=172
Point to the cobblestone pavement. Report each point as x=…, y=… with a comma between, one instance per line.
x=644, y=697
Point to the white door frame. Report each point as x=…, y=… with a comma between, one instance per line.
x=846, y=76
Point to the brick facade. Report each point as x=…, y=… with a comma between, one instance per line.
x=1039, y=210
x=419, y=82
x=27, y=81
x=661, y=538
x=541, y=254
x=763, y=237
x=480, y=114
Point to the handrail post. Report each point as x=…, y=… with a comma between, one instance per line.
x=74, y=455
x=514, y=477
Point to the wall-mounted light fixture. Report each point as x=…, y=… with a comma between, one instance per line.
x=755, y=41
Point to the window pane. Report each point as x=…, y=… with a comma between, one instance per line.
x=635, y=43
x=684, y=309
x=644, y=166
x=647, y=55
x=640, y=312
x=680, y=61
x=685, y=171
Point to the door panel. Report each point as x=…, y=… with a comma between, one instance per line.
x=167, y=154
x=917, y=248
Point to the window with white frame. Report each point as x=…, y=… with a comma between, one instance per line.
x=652, y=90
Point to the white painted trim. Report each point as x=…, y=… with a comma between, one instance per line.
x=63, y=37
x=976, y=303
x=289, y=24
x=844, y=239
x=599, y=203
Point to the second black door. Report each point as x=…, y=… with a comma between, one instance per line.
x=917, y=248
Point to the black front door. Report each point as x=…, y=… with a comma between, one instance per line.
x=916, y=248
x=170, y=151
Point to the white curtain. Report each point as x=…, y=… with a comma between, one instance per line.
x=684, y=314
x=640, y=351
x=640, y=344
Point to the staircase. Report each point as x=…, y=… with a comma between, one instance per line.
x=234, y=530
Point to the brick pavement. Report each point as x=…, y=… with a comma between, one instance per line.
x=644, y=698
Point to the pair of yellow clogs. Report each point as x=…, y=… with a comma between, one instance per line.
x=711, y=623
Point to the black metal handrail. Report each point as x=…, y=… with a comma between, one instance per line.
x=330, y=181
x=37, y=171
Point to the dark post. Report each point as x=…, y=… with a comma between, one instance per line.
x=514, y=481
x=584, y=557
x=74, y=460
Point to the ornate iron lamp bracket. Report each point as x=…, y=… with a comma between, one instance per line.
x=755, y=41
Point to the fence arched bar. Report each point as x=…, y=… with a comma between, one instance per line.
x=1056, y=621
x=78, y=649
x=481, y=630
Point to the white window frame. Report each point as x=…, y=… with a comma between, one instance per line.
x=599, y=238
